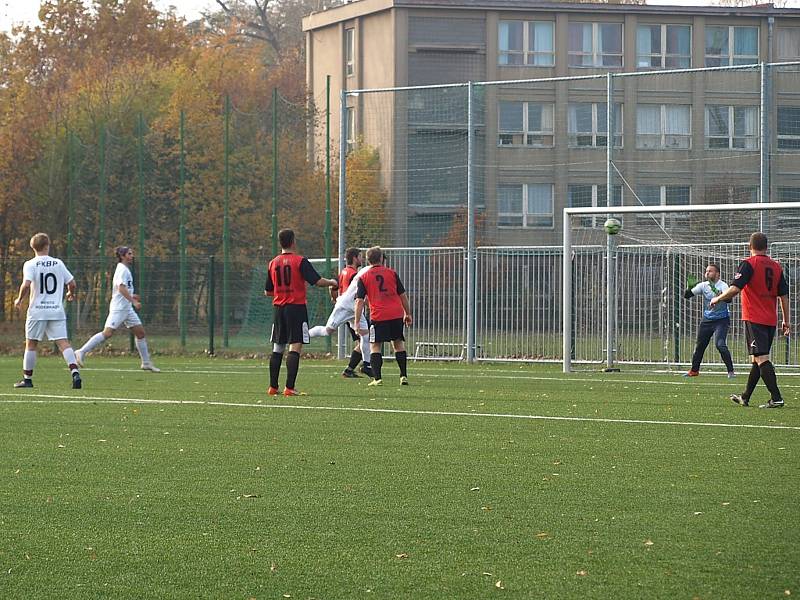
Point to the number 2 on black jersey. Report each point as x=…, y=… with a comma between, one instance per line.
x=381, y=286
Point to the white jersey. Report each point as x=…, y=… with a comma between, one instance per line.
x=48, y=276
x=347, y=300
x=121, y=276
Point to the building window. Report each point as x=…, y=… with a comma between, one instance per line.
x=664, y=195
x=525, y=124
x=587, y=125
x=595, y=44
x=350, y=128
x=789, y=127
x=729, y=45
x=526, y=43
x=663, y=127
x=787, y=218
x=525, y=205
x=349, y=51
x=664, y=47
x=732, y=127
x=788, y=43
x=590, y=195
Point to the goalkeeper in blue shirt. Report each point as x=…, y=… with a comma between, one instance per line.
x=716, y=319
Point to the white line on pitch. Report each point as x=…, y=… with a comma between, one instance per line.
x=61, y=399
x=599, y=379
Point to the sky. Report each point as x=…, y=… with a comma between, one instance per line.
x=24, y=11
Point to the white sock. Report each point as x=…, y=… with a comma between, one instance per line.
x=365, y=348
x=141, y=346
x=318, y=331
x=94, y=342
x=69, y=358
x=28, y=361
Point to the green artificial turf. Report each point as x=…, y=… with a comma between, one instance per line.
x=215, y=490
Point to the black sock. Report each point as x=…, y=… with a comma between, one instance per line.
x=376, y=360
x=275, y=368
x=752, y=381
x=355, y=358
x=771, y=381
x=402, y=359
x=292, y=366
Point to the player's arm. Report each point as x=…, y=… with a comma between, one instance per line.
x=692, y=284
x=406, y=308
x=24, y=290
x=125, y=293
x=361, y=293
x=70, y=295
x=401, y=291
x=741, y=279
x=783, y=294
x=269, y=287
x=313, y=278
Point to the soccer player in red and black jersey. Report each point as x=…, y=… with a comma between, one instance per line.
x=760, y=280
x=389, y=311
x=287, y=276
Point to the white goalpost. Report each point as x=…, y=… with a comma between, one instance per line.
x=628, y=307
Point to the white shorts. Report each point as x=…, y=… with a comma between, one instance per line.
x=54, y=330
x=118, y=318
x=341, y=315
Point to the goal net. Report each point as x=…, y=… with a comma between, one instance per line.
x=623, y=294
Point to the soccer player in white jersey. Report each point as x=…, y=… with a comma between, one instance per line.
x=344, y=312
x=121, y=312
x=44, y=278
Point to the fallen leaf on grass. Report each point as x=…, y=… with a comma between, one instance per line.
x=401, y=555
x=475, y=489
x=726, y=504
x=61, y=446
x=499, y=585
x=273, y=568
x=582, y=573
x=487, y=508
x=787, y=592
x=247, y=496
x=648, y=543
x=542, y=535
x=486, y=574
x=698, y=512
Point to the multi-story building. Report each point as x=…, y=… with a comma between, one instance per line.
x=679, y=138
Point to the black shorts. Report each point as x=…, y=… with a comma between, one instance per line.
x=290, y=325
x=759, y=338
x=352, y=331
x=386, y=331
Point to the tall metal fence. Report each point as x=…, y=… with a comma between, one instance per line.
x=490, y=166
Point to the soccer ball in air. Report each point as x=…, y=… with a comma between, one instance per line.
x=612, y=226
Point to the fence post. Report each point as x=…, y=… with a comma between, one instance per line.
x=226, y=226
x=676, y=306
x=611, y=296
x=470, y=230
x=140, y=167
x=342, y=198
x=182, y=235
x=328, y=226
x=566, y=293
x=212, y=312
x=274, y=171
x=764, y=142
x=101, y=244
